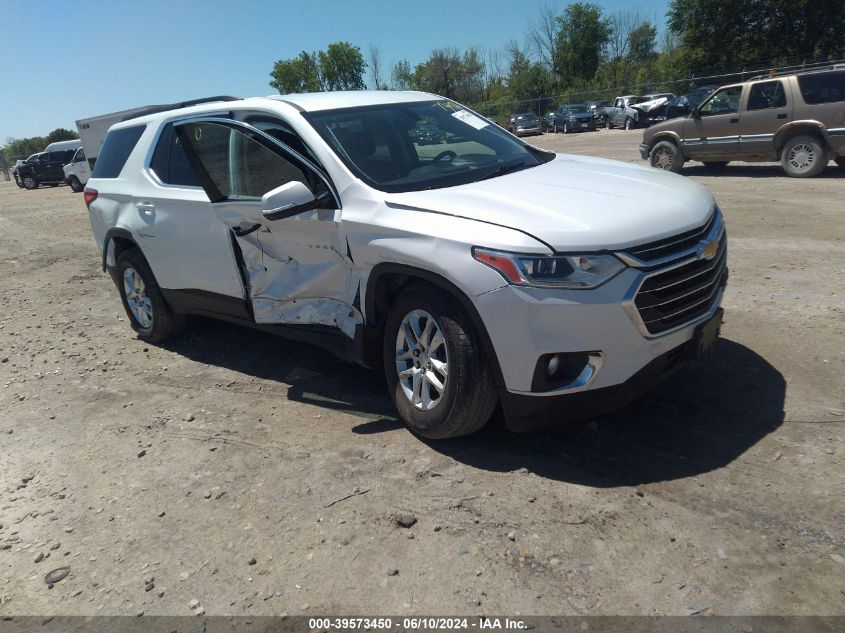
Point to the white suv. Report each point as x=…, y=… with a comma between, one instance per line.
x=478, y=270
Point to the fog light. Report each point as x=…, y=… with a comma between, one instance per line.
x=554, y=365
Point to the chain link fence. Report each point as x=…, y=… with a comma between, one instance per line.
x=500, y=111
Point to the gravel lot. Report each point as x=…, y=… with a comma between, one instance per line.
x=243, y=474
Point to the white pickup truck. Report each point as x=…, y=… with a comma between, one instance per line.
x=77, y=171
x=633, y=111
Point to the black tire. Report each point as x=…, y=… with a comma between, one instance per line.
x=74, y=184
x=666, y=155
x=469, y=394
x=715, y=164
x=164, y=323
x=30, y=182
x=803, y=156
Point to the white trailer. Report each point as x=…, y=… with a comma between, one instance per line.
x=93, y=130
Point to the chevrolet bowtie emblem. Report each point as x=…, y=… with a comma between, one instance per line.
x=707, y=250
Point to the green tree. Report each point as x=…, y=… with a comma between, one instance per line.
x=453, y=74
x=581, y=41
x=723, y=35
x=300, y=74
x=527, y=79
x=342, y=67
x=22, y=147
x=642, y=41
x=401, y=76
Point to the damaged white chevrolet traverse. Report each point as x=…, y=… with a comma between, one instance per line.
x=403, y=230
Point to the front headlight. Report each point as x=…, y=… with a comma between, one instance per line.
x=551, y=271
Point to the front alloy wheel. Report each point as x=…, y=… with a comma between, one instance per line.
x=29, y=182
x=422, y=360
x=435, y=365
x=666, y=155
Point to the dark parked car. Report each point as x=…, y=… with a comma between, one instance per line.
x=574, y=118
x=526, y=124
x=596, y=107
x=683, y=105
x=43, y=169
x=548, y=121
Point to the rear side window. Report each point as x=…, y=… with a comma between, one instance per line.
x=768, y=94
x=169, y=161
x=822, y=87
x=115, y=151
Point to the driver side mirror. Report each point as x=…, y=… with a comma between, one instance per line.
x=287, y=200
x=695, y=114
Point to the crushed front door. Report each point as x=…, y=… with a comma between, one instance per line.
x=296, y=270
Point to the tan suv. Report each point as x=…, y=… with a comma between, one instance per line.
x=798, y=119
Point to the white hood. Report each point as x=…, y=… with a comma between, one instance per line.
x=577, y=203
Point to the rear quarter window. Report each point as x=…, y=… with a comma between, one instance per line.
x=169, y=161
x=822, y=87
x=116, y=150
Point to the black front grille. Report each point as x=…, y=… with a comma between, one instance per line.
x=682, y=294
x=652, y=251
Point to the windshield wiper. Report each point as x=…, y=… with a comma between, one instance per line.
x=506, y=168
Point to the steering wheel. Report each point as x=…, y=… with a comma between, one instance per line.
x=444, y=154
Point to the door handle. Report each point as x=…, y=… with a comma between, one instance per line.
x=145, y=207
x=782, y=116
x=243, y=231
x=734, y=120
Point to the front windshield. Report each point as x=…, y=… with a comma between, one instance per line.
x=577, y=109
x=384, y=146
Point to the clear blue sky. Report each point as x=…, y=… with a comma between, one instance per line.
x=67, y=60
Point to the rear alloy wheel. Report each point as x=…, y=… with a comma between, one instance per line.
x=148, y=313
x=434, y=365
x=666, y=155
x=29, y=182
x=803, y=157
x=75, y=185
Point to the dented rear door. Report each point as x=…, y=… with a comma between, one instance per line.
x=296, y=270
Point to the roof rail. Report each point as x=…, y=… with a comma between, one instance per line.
x=796, y=71
x=153, y=109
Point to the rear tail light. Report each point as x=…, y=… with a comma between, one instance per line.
x=90, y=195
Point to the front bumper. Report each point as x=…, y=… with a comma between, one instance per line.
x=525, y=324
x=528, y=413
x=644, y=151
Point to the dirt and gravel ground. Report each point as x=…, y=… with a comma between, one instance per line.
x=243, y=474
